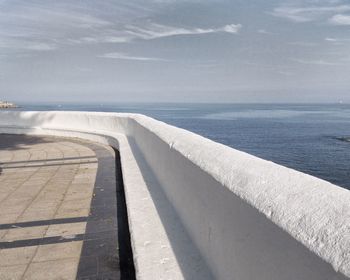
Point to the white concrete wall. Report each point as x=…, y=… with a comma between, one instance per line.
x=231, y=215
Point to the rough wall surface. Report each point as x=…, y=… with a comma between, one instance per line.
x=200, y=210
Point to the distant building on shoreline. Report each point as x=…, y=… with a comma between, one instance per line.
x=5, y=104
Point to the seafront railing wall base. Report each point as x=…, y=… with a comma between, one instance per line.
x=200, y=210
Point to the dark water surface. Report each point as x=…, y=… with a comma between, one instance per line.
x=311, y=138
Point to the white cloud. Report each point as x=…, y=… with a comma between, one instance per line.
x=41, y=47
x=340, y=19
x=263, y=31
x=149, y=32
x=19, y=46
x=303, y=44
x=317, y=62
x=35, y=16
x=115, y=39
x=337, y=40
x=34, y=26
x=285, y=73
x=100, y=39
x=154, y=31
x=306, y=14
x=331, y=39
x=231, y=28
x=124, y=56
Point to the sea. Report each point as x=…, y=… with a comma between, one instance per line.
x=312, y=138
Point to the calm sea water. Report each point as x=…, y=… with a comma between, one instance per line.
x=309, y=138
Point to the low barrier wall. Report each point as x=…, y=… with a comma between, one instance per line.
x=201, y=210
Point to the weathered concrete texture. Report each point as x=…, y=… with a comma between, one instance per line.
x=57, y=209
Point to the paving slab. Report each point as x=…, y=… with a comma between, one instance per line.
x=59, y=210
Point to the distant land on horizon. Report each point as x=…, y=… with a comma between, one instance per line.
x=6, y=105
x=105, y=103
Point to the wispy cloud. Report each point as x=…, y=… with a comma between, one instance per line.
x=124, y=56
x=35, y=16
x=317, y=62
x=328, y=39
x=337, y=40
x=41, y=47
x=34, y=26
x=303, y=44
x=340, y=19
x=151, y=31
x=154, y=31
x=97, y=39
x=40, y=26
x=307, y=14
x=285, y=73
x=263, y=31
x=20, y=45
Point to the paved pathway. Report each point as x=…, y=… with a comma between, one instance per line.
x=58, y=210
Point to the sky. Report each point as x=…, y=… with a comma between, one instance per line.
x=175, y=51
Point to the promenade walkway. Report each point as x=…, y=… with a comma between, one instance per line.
x=62, y=210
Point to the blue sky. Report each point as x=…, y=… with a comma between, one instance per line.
x=168, y=50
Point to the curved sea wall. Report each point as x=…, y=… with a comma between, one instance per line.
x=201, y=210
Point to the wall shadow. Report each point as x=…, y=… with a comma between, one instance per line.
x=11, y=142
x=27, y=120
x=106, y=251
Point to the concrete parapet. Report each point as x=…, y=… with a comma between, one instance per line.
x=201, y=210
